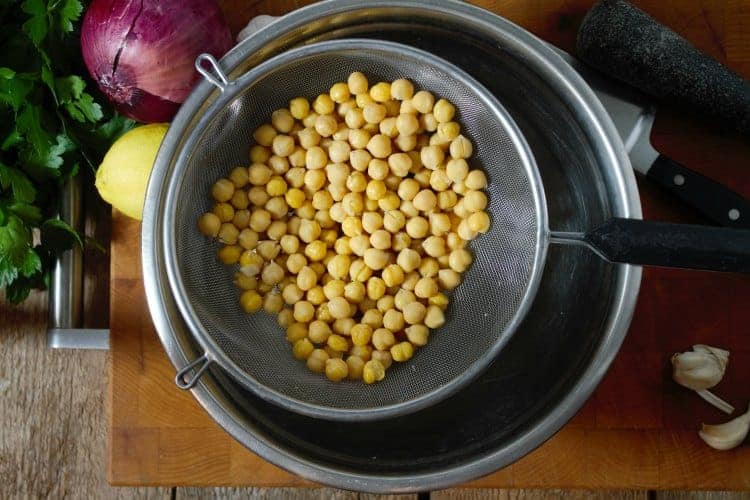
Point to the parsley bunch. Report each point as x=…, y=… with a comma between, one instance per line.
x=50, y=126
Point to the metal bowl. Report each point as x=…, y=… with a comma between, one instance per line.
x=574, y=329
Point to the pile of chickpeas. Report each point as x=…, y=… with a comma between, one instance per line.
x=351, y=223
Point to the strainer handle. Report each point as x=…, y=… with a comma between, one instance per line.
x=214, y=73
x=184, y=380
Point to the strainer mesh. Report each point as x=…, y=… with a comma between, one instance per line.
x=480, y=308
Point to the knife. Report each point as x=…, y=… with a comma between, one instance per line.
x=633, y=116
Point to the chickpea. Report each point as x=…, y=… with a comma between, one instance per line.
x=359, y=244
x=323, y=104
x=285, y=318
x=449, y=279
x=402, y=89
x=439, y=180
x=354, y=292
x=417, y=227
x=354, y=118
x=426, y=288
x=337, y=193
x=325, y=125
x=423, y=178
x=338, y=266
x=356, y=367
x=295, y=177
x=393, y=275
x=372, y=318
x=476, y=179
x=264, y=134
x=400, y=241
x=299, y=107
x=465, y=232
x=339, y=151
x=343, y=326
x=432, y=157
x=279, y=165
x=403, y=351
x=440, y=300
x=375, y=258
x=447, y=200
x=428, y=123
x=390, y=201
x=282, y=145
x=403, y=298
x=374, y=113
x=309, y=230
x=479, y=222
x=272, y=273
x=339, y=307
x=385, y=303
x=316, y=362
x=338, y=343
x=245, y=282
x=316, y=158
x=429, y=267
x=351, y=226
x=380, y=92
x=434, y=246
x=475, y=201
x=357, y=83
x=375, y=190
x=425, y=200
x=241, y=218
x=375, y=288
x=447, y=131
x=295, y=331
x=363, y=100
x=273, y=303
x=382, y=338
x=406, y=142
x=302, y=349
x=222, y=190
x=250, y=301
x=315, y=250
x=319, y=332
x=407, y=124
x=414, y=313
x=408, y=259
x=297, y=158
x=209, y=224
x=336, y=369
x=359, y=138
x=259, y=154
x=359, y=160
x=417, y=334
x=308, y=138
x=306, y=278
x=423, y=101
x=379, y=146
x=373, y=372
x=444, y=111
x=399, y=164
x=461, y=147
x=384, y=357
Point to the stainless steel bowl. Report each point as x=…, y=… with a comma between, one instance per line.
x=576, y=325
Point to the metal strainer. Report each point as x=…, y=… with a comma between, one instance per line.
x=484, y=310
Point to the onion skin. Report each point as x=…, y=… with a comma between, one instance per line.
x=141, y=53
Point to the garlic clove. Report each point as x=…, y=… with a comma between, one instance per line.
x=701, y=369
x=727, y=435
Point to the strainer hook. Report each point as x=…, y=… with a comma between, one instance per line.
x=197, y=366
x=214, y=73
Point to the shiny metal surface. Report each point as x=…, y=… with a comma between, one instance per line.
x=570, y=336
x=66, y=285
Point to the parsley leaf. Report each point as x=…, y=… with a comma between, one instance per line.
x=70, y=11
x=36, y=27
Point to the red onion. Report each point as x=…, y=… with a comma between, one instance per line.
x=141, y=52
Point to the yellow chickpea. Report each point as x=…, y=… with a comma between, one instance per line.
x=299, y=107
x=417, y=334
x=461, y=147
x=222, y=190
x=326, y=125
x=402, y=89
x=414, y=313
x=373, y=372
x=408, y=260
x=372, y=318
x=291, y=294
x=394, y=221
x=359, y=138
x=315, y=250
x=429, y=267
x=306, y=278
x=423, y=101
x=425, y=200
x=434, y=246
x=406, y=142
x=338, y=266
x=315, y=296
x=351, y=226
x=380, y=92
x=390, y=201
x=417, y=227
x=432, y=157
x=375, y=259
x=361, y=334
x=319, y=331
x=354, y=118
x=316, y=362
x=408, y=189
x=374, y=113
x=259, y=154
x=385, y=303
x=381, y=240
x=357, y=83
x=465, y=232
x=264, y=135
x=388, y=127
x=479, y=222
x=393, y=275
x=375, y=190
x=403, y=351
x=359, y=160
x=439, y=180
x=339, y=308
x=336, y=369
x=302, y=349
x=426, y=288
x=400, y=240
x=383, y=338
x=209, y=224
x=375, y=288
x=354, y=292
x=362, y=100
x=323, y=104
x=356, y=367
x=447, y=131
x=379, y=146
x=316, y=158
x=295, y=331
x=251, y=301
x=444, y=111
x=475, y=201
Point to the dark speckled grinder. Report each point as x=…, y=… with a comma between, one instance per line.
x=626, y=43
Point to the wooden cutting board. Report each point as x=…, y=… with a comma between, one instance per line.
x=639, y=428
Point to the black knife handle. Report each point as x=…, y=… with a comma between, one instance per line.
x=716, y=201
x=688, y=246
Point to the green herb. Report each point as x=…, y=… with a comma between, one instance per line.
x=52, y=122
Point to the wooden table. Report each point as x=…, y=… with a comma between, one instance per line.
x=637, y=431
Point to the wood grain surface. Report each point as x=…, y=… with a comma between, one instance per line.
x=637, y=431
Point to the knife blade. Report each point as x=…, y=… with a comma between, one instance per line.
x=633, y=115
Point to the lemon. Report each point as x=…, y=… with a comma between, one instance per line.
x=123, y=175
